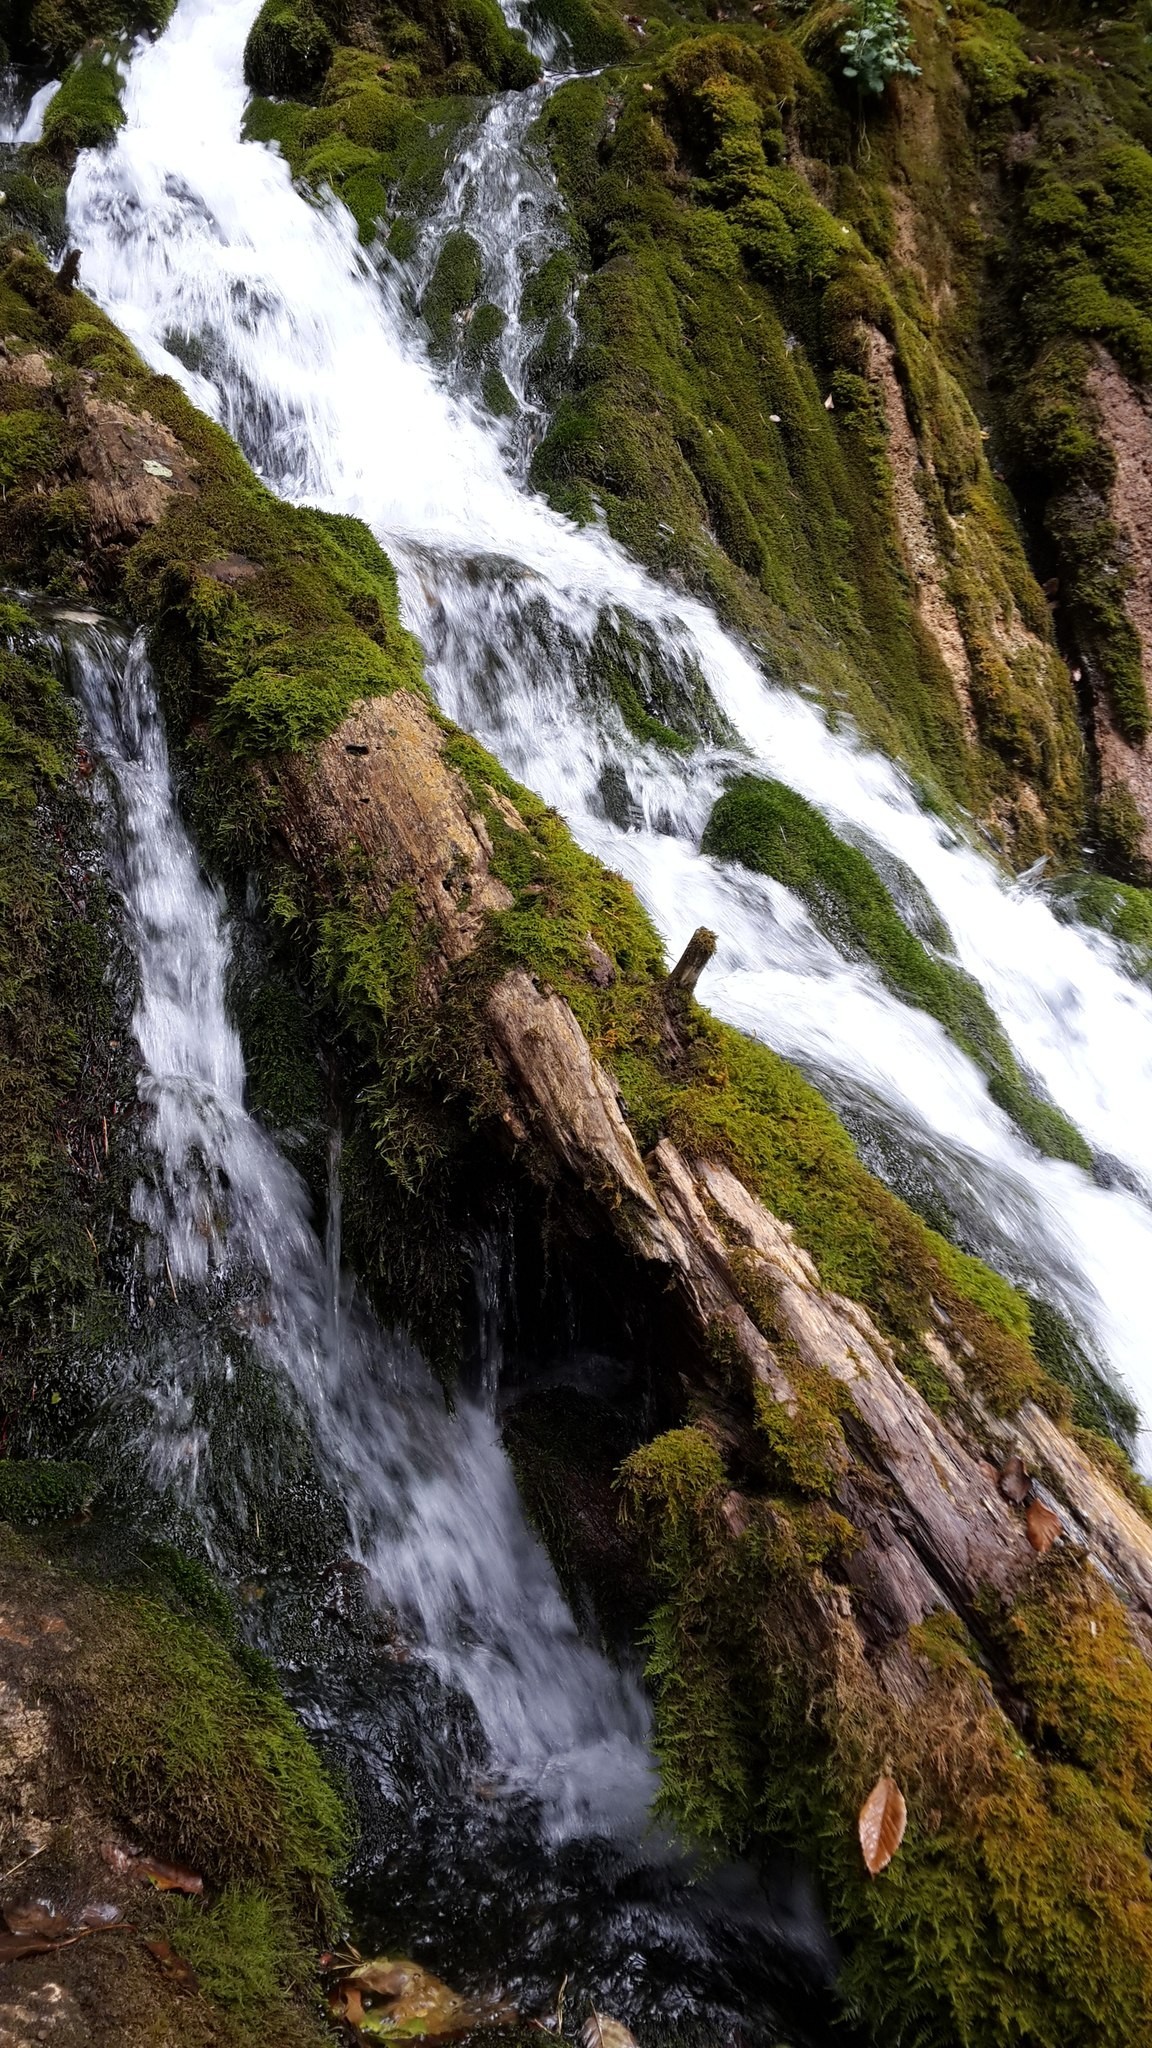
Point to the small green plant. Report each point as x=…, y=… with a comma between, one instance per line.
x=878, y=45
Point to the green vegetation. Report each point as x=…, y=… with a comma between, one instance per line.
x=199, y=1753
x=381, y=116
x=54, y=1001
x=54, y=31
x=722, y=410
x=177, y=1736
x=86, y=111
x=877, y=47
x=1125, y=913
x=1019, y=1908
x=768, y=827
x=36, y=1490
x=1073, y=277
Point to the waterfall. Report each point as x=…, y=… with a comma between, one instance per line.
x=434, y=1518
x=532, y=1804
x=313, y=359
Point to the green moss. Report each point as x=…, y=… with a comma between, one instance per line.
x=54, y=1004
x=86, y=112
x=1071, y=1654
x=454, y=287
x=171, y=1736
x=591, y=31
x=29, y=446
x=36, y=1490
x=54, y=31
x=769, y=827
x=1117, y=908
x=725, y=305
x=1120, y=828
x=202, y=1756
x=248, y=1955
x=288, y=51
x=1075, y=275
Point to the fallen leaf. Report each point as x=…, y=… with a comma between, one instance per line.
x=14, y=1946
x=173, y=1966
x=416, y=2005
x=829, y=403
x=101, y=1913
x=601, y=2032
x=883, y=1819
x=1042, y=1527
x=1015, y=1484
x=36, y=1916
x=346, y=2004
x=167, y=1877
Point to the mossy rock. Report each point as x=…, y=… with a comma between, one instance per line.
x=768, y=827
x=288, y=51
x=86, y=112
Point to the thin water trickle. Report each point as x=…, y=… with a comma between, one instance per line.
x=317, y=365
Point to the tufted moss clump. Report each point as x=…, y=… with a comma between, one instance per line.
x=86, y=112
x=1072, y=288
x=170, y=1735
x=55, y=1003
x=767, y=826
x=288, y=51
x=199, y=1751
x=38, y=1490
x=1119, y=909
x=51, y=32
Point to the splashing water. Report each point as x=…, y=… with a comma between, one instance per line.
x=316, y=363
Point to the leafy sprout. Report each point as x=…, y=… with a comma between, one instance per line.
x=878, y=46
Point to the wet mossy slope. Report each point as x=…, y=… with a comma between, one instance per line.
x=137, y=1722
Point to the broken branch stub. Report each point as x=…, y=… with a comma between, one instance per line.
x=692, y=962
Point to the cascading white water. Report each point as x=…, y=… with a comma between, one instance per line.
x=316, y=365
x=22, y=117
x=430, y=1499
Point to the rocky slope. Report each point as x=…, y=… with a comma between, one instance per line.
x=862, y=370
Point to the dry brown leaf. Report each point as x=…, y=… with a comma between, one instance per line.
x=346, y=2004
x=13, y=1946
x=1015, y=1484
x=1042, y=1527
x=173, y=1966
x=36, y=1916
x=600, y=2032
x=167, y=1877
x=883, y=1819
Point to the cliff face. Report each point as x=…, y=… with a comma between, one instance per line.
x=860, y=369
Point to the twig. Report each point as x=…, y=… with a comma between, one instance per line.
x=6, y=1874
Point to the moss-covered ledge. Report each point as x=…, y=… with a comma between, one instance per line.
x=134, y=1720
